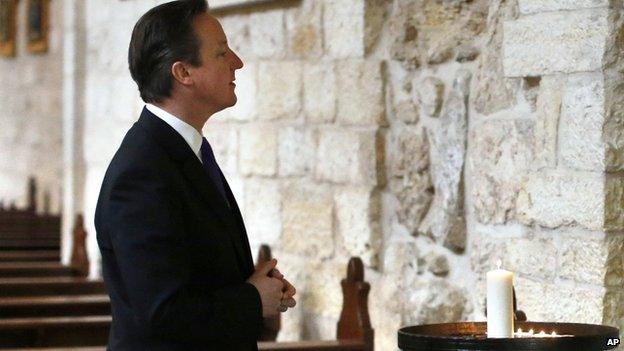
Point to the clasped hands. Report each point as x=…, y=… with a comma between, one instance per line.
x=276, y=293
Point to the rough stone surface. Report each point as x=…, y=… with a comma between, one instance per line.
x=258, y=150
x=279, y=90
x=532, y=257
x=407, y=112
x=263, y=211
x=502, y=155
x=411, y=180
x=445, y=219
x=357, y=215
x=296, y=152
x=432, y=31
x=553, y=42
x=435, y=301
x=304, y=30
x=553, y=198
x=547, y=124
x=592, y=259
x=343, y=23
x=223, y=139
x=494, y=92
x=533, y=6
x=614, y=197
x=319, y=92
x=320, y=297
x=348, y=157
x=307, y=221
x=559, y=302
x=466, y=53
x=437, y=264
x=246, y=90
x=430, y=96
x=582, y=118
x=360, y=92
x=267, y=33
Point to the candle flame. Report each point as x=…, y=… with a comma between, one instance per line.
x=499, y=264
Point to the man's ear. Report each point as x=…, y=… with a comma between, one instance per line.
x=180, y=73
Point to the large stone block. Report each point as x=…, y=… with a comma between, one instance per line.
x=296, y=153
x=533, y=6
x=266, y=30
x=501, y=155
x=555, y=198
x=581, y=143
x=258, y=150
x=223, y=139
x=433, y=31
x=279, y=90
x=494, y=92
x=547, y=124
x=555, y=42
x=411, y=179
x=360, y=92
x=246, y=90
x=351, y=28
x=558, y=302
x=358, y=212
x=343, y=24
x=592, y=258
x=307, y=220
x=304, y=30
x=346, y=156
x=324, y=293
x=435, y=300
x=319, y=92
x=532, y=257
x=263, y=211
x=445, y=219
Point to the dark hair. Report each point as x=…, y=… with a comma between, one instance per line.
x=162, y=36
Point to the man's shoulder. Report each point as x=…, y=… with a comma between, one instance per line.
x=138, y=151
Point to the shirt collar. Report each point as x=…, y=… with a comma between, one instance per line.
x=192, y=137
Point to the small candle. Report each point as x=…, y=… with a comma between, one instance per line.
x=500, y=314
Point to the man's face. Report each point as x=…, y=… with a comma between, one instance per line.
x=214, y=77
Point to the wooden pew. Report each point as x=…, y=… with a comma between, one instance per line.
x=30, y=256
x=25, y=229
x=39, y=311
x=354, y=332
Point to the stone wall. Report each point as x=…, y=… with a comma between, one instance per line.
x=30, y=116
x=431, y=138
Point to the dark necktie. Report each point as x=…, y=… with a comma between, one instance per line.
x=212, y=168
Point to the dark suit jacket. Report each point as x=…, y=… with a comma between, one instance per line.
x=174, y=256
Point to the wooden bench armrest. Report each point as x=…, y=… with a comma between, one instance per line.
x=316, y=345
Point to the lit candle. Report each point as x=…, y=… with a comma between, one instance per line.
x=500, y=315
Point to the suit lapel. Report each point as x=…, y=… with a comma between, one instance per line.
x=244, y=240
x=192, y=169
x=197, y=176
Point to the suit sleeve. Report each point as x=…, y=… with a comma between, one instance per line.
x=151, y=252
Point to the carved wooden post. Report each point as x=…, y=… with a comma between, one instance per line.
x=272, y=325
x=79, y=258
x=354, y=320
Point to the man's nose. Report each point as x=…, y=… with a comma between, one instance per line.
x=237, y=62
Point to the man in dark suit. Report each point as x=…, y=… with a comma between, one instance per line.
x=175, y=255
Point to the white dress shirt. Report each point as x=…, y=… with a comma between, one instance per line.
x=192, y=137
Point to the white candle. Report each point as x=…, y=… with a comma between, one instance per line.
x=500, y=315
